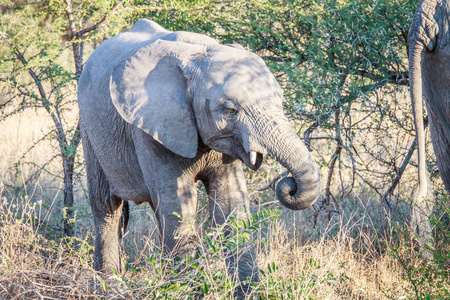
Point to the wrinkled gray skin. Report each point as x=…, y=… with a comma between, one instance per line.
x=161, y=110
x=429, y=73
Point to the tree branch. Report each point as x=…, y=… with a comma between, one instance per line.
x=402, y=167
x=334, y=158
x=76, y=137
x=61, y=135
x=33, y=75
x=69, y=14
x=99, y=23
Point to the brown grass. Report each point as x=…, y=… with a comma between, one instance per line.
x=331, y=267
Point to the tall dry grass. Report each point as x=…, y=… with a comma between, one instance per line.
x=343, y=262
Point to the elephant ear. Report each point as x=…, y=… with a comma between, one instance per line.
x=150, y=91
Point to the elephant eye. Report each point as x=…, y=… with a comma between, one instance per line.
x=229, y=108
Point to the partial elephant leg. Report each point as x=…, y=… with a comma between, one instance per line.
x=107, y=212
x=228, y=195
x=176, y=206
x=173, y=193
x=124, y=219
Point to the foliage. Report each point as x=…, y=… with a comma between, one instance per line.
x=38, y=40
x=427, y=279
x=343, y=67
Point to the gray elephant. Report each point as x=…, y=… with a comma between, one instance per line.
x=429, y=75
x=161, y=110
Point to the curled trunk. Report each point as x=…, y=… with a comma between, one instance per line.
x=303, y=189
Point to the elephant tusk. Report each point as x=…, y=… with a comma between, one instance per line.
x=253, y=157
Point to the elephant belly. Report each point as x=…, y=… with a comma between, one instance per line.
x=124, y=175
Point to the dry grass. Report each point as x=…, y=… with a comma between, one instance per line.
x=331, y=267
x=346, y=257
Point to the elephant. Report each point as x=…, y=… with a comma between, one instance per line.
x=161, y=110
x=429, y=75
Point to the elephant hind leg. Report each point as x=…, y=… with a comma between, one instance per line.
x=124, y=219
x=108, y=226
x=107, y=212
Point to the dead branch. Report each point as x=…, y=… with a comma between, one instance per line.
x=336, y=155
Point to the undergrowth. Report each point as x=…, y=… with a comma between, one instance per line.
x=343, y=262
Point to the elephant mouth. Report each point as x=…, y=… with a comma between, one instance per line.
x=251, y=160
x=255, y=163
x=232, y=146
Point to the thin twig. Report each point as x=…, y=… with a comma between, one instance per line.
x=336, y=155
x=74, y=34
x=402, y=168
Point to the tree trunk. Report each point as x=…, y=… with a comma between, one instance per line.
x=68, y=165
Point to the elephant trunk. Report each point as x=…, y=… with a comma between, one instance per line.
x=415, y=81
x=303, y=189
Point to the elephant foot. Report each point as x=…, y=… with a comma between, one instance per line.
x=244, y=290
x=244, y=272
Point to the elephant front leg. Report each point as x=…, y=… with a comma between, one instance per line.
x=175, y=204
x=172, y=190
x=228, y=195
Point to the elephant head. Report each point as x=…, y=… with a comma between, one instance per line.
x=179, y=92
x=429, y=75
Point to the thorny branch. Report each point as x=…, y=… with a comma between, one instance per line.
x=79, y=34
x=402, y=168
x=334, y=158
x=61, y=135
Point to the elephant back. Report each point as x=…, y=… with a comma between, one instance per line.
x=190, y=38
